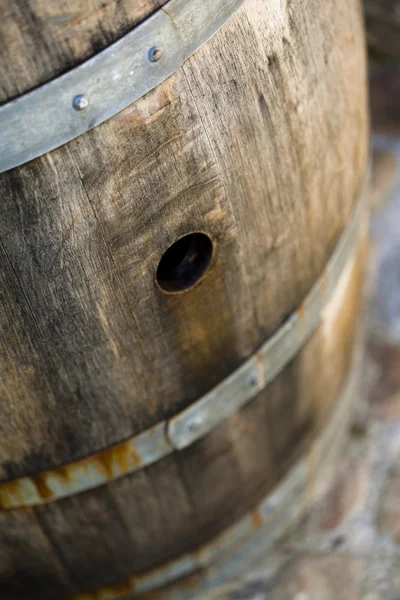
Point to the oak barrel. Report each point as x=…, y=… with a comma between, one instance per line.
x=181, y=229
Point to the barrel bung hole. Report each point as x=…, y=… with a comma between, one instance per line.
x=184, y=263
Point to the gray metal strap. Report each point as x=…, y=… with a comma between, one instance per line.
x=63, y=109
x=206, y=413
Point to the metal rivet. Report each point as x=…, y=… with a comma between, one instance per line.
x=253, y=380
x=80, y=102
x=193, y=425
x=154, y=54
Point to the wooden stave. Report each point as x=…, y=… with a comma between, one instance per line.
x=217, y=361
x=201, y=417
x=147, y=519
x=27, y=534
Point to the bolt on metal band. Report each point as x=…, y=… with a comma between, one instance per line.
x=205, y=414
x=101, y=87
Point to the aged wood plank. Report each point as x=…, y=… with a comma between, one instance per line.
x=41, y=40
x=70, y=370
x=107, y=534
x=29, y=565
x=292, y=187
x=151, y=178
x=185, y=500
x=155, y=505
x=92, y=541
x=265, y=176
x=180, y=503
x=260, y=142
x=25, y=391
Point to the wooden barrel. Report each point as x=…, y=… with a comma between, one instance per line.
x=181, y=259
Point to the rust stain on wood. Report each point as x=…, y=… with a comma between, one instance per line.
x=40, y=482
x=122, y=455
x=112, y=463
x=256, y=519
x=7, y=491
x=117, y=590
x=300, y=315
x=142, y=199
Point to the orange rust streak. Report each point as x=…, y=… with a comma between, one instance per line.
x=123, y=454
x=256, y=519
x=104, y=460
x=63, y=471
x=118, y=590
x=122, y=588
x=41, y=485
x=9, y=488
x=300, y=312
x=260, y=366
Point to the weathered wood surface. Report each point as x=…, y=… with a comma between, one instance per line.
x=260, y=140
x=106, y=535
x=263, y=149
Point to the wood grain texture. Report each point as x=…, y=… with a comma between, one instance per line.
x=70, y=333
x=28, y=560
x=260, y=141
x=40, y=40
x=103, y=536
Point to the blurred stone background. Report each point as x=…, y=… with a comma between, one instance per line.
x=348, y=546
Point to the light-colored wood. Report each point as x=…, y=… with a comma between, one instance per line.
x=260, y=141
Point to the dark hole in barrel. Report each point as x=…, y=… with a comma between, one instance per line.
x=184, y=263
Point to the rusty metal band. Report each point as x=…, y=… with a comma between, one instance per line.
x=205, y=414
x=259, y=529
x=61, y=110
